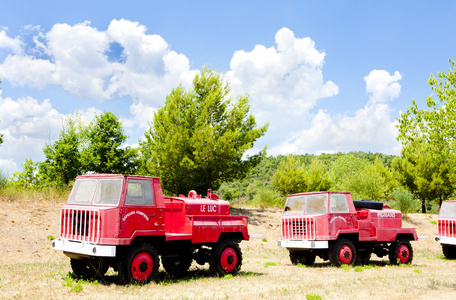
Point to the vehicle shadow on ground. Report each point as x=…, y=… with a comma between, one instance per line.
x=327, y=264
x=164, y=278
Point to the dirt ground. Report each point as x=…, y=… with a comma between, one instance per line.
x=30, y=269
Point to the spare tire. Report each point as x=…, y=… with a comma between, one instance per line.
x=368, y=204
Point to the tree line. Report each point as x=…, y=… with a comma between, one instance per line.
x=197, y=140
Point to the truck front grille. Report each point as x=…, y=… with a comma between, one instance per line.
x=447, y=227
x=80, y=225
x=298, y=228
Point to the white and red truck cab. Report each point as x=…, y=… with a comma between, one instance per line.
x=126, y=223
x=334, y=227
x=446, y=228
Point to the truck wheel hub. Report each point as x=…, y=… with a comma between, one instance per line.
x=345, y=255
x=143, y=267
x=403, y=253
x=228, y=260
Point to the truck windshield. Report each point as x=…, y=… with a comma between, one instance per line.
x=317, y=204
x=101, y=191
x=310, y=204
x=448, y=210
x=295, y=205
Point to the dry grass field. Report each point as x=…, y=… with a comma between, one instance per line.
x=30, y=269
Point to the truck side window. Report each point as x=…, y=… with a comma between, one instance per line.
x=139, y=192
x=338, y=203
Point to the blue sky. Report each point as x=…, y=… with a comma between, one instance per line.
x=328, y=76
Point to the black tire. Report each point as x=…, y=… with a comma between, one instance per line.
x=140, y=265
x=177, y=266
x=363, y=258
x=342, y=252
x=368, y=204
x=226, y=259
x=400, y=252
x=302, y=257
x=88, y=269
x=449, y=251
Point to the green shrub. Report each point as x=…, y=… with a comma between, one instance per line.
x=404, y=201
x=228, y=192
x=268, y=198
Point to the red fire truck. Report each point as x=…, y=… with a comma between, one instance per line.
x=334, y=227
x=126, y=223
x=446, y=228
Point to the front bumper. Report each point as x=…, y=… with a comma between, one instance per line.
x=303, y=244
x=445, y=240
x=84, y=248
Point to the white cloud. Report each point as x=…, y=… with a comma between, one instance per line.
x=143, y=115
x=26, y=70
x=382, y=86
x=27, y=126
x=78, y=61
x=370, y=128
x=284, y=83
x=288, y=78
x=14, y=44
x=7, y=167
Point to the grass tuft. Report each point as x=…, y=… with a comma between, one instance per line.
x=270, y=264
x=313, y=296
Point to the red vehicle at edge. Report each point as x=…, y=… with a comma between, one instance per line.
x=126, y=223
x=446, y=228
x=334, y=227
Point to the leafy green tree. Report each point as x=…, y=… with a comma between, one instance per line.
x=363, y=179
x=104, y=152
x=375, y=181
x=293, y=177
x=426, y=174
x=27, y=178
x=63, y=158
x=289, y=177
x=199, y=137
x=344, y=169
x=428, y=141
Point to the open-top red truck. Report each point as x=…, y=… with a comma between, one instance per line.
x=126, y=223
x=334, y=227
